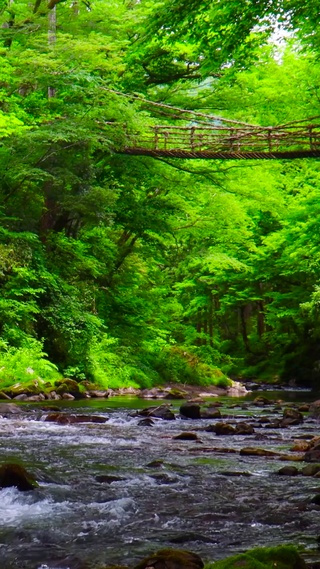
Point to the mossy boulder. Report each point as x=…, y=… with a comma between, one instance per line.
x=175, y=394
x=16, y=475
x=32, y=387
x=282, y=557
x=172, y=559
x=69, y=386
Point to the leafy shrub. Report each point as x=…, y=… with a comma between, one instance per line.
x=178, y=365
x=109, y=369
x=25, y=364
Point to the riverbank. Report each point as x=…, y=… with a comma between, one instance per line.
x=69, y=389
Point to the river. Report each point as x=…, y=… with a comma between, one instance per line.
x=193, y=497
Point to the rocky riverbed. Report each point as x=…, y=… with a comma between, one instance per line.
x=120, y=478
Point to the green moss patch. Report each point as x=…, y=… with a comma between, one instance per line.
x=282, y=557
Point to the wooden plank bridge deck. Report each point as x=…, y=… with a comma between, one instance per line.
x=228, y=142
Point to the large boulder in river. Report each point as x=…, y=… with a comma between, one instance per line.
x=12, y=474
x=190, y=410
x=171, y=559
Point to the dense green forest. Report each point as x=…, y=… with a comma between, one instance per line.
x=129, y=270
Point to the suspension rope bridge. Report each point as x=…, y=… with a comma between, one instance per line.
x=214, y=137
x=223, y=141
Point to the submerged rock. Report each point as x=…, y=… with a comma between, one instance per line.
x=16, y=475
x=172, y=559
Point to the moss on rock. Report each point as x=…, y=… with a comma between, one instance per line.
x=282, y=557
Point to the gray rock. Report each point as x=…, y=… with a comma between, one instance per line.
x=68, y=396
x=9, y=409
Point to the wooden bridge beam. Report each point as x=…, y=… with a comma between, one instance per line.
x=209, y=155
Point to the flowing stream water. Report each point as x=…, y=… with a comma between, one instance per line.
x=194, y=497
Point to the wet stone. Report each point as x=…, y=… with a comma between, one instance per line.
x=155, y=464
x=300, y=446
x=172, y=559
x=291, y=417
x=261, y=401
x=244, y=429
x=186, y=436
x=248, y=451
x=190, y=411
x=108, y=478
x=316, y=500
x=65, y=419
x=159, y=412
x=310, y=470
x=9, y=409
x=222, y=429
x=210, y=414
x=288, y=471
x=164, y=478
x=147, y=422
x=314, y=409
